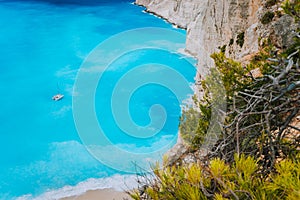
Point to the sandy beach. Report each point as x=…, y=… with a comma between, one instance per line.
x=104, y=194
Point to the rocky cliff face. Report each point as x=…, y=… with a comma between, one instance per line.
x=231, y=25
x=222, y=23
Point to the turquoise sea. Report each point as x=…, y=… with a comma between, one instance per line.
x=44, y=45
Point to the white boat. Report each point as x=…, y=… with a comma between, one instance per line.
x=57, y=97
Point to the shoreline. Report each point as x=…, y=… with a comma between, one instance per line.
x=106, y=194
x=159, y=16
x=114, y=186
x=173, y=153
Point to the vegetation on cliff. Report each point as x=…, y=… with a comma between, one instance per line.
x=218, y=180
x=256, y=155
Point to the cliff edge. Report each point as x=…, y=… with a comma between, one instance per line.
x=238, y=28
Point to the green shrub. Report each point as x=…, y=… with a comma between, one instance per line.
x=231, y=41
x=233, y=74
x=222, y=48
x=193, y=127
x=270, y=3
x=267, y=17
x=240, y=39
x=292, y=8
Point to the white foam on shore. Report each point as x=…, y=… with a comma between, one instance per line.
x=116, y=182
x=175, y=26
x=183, y=51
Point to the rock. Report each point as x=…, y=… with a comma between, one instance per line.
x=176, y=152
x=190, y=158
x=255, y=73
x=282, y=31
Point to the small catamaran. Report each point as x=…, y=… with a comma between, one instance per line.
x=58, y=96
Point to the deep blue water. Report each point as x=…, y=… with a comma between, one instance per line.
x=43, y=45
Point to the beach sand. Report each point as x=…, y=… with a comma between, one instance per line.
x=104, y=194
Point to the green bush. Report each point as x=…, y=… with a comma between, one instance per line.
x=195, y=121
x=292, y=8
x=233, y=74
x=193, y=127
x=222, y=48
x=231, y=41
x=267, y=17
x=240, y=39
x=270, y=3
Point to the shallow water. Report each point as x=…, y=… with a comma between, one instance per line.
x=43, y=45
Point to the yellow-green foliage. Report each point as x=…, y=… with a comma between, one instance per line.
x=223, y=81
x=194, y=123
x=292, y=8
x=240, y=180
x=234, y=75
x=287, y=181
x=193, y=126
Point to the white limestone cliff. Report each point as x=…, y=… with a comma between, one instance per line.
x=212, y=24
